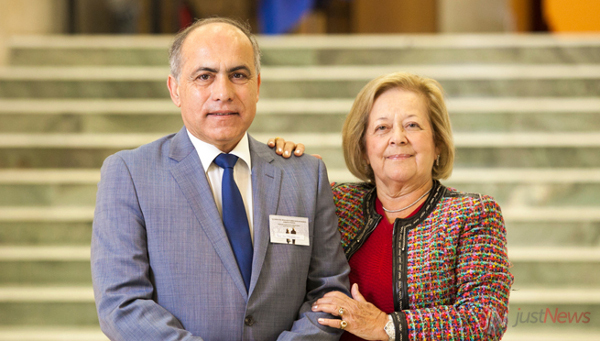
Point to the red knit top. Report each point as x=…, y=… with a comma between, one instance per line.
x=371, y=267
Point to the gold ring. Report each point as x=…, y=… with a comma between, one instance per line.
x=341, y=311
x=343, y=324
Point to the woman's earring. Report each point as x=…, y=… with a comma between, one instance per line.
x=437, y=161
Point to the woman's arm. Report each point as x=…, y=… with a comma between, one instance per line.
x=480, y=311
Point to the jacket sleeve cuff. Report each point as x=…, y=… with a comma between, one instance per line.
x=400, y=325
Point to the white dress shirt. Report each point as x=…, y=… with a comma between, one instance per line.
x=242, y=173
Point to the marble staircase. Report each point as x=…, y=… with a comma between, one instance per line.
x=526, y=117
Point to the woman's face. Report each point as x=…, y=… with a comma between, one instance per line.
x=399, y=139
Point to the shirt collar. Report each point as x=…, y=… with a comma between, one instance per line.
x=207, y=152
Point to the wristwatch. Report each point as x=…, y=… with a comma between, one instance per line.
x=389, y=328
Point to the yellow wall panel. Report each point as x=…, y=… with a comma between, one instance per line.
x=572, y=15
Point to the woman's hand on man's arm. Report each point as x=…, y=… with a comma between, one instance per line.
x=363, y=319
x=286, y=148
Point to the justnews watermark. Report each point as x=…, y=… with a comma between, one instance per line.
x=553, y=316
x=493, y=323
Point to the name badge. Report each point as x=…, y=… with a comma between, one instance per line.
x=289, y=230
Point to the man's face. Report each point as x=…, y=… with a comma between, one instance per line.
x=218, y=86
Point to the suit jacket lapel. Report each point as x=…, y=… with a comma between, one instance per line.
x=266, y=184
x=189, y=174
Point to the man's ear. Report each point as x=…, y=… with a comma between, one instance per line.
x=258, y=87
x=174, y=90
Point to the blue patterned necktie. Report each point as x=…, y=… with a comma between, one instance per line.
x=234, y=217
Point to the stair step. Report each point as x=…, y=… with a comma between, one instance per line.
x=329, y=41
x=557, y=254
x=552, y=214
x=290, y=123
x=47, y=214
x=86, y=294
x=306, y=82
x=75, y=140
x=80, y=300
x=556, y=266
x=324, y=50
x=45, y=265
x=529, y=226
x=46, y=294
x=52, y=265
x=479, y=106
x=275, y=116
x=555, y=295
x=44, y=253
x=82, y=253
x=316, y=73
x=529, y=176
x=50, y=176
x=554, y=273
x=459, y=176
x=510, y=187
x=512, y=335
x=37, y=333
x=474, y=150
x=47, y=232
x=48, y=314
x=461, y=140
x=86, y=213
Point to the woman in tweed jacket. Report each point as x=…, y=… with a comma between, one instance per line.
x=430, y=261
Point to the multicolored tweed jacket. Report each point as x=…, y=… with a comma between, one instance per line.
x=451, y=267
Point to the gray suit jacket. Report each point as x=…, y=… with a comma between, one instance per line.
x=162, y=265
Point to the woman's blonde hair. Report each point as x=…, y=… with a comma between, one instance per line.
x=353, y=132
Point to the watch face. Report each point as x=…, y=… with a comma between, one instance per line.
x=389, y=329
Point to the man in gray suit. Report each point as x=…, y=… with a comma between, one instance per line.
x=165, y=264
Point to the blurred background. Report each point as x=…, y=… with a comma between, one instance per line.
x=82, y=79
